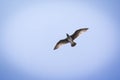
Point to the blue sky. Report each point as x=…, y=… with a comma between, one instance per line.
x=30, y=30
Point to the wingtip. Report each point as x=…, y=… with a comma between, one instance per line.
x=86, y=28
x=54, y=48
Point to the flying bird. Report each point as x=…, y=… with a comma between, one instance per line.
x=70, y=38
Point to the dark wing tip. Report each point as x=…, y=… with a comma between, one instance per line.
x=55, y=48
x=85, y=28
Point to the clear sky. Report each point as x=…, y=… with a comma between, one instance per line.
x=30, y=29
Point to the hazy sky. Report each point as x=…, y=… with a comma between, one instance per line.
x=30, y=30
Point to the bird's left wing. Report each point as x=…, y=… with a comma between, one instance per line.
x=78, y=32
x=60, y=43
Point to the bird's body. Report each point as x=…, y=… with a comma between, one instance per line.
x=70, y=38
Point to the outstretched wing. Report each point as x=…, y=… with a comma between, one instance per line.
x=78, y=32
x=60, y=43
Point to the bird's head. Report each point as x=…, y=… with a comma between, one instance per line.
x=67, y=34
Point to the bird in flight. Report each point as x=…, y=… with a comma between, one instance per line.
x=70, y=38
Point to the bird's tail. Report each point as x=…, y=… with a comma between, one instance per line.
x=73, y=44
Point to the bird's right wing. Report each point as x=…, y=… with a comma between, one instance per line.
x=60, y=43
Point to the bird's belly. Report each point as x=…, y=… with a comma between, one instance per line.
x=70, y=39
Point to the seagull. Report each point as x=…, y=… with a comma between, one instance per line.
x=70, y=38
